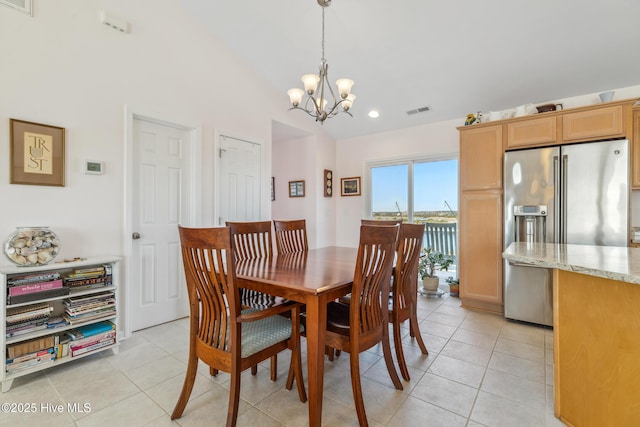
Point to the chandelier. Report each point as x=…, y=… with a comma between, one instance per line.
x=315, y=86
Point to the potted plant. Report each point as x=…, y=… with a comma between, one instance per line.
x=454, y=286
x=430, y=261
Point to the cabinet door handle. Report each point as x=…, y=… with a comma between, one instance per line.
x=135, y=236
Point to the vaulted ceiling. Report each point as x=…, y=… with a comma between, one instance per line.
x=456, y=57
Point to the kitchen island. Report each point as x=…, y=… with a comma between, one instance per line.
x=596, y=324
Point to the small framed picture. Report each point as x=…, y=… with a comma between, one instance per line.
x=37, y=154
x=350, y=186
x=94, y=168
x=296, y=188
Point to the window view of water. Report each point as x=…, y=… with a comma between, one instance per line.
x=433, y=201
x=435, y=192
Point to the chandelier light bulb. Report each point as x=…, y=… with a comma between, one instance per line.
x=348, y=102
x=344, y=87
x=320, y=103
x=310, y=83
x=295, y=96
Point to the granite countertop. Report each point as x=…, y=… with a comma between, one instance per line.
x=610, y=262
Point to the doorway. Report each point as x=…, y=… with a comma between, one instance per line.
x=160, y=196
x=240, y=175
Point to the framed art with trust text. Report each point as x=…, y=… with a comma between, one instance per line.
x=37, y=154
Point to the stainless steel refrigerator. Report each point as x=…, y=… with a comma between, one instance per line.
x=567, y=194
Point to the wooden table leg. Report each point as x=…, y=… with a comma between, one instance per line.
x=316, y=316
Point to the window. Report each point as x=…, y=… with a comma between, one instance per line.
x=418, y=191
x=432, y=184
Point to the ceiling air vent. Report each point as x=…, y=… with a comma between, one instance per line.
x=419, y=110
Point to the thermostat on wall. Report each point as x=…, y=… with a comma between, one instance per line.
x=95, y=168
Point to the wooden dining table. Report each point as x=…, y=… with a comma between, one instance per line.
x=313, y=278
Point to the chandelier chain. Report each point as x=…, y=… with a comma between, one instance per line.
x=323, y=58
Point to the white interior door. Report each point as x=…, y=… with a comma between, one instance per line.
x=239, y=187
x=161, y=201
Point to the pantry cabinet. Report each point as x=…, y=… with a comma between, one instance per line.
x=480, y=217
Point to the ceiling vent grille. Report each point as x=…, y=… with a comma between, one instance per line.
x=419, y=110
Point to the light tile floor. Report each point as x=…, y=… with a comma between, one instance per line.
x=481, y=371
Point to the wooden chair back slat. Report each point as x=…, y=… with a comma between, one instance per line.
x=291, y=236
x=251, y=239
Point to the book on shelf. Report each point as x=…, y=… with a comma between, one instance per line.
x=26, y=329
x=90, y=330
x=86, y=300
x=73, y=311
x=89, y=341
x=18, y=314
x=81, y=320
x=32, y=278
x=30, y=346
x=51, y=293
x=93, y=347
x=33, y=319
x=56, y=322
x=95, y=281
x=34, y=287
x=31, y=356
x=38, y=362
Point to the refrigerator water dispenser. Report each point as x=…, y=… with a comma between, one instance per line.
x=530, y=223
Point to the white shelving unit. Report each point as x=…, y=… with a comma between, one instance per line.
x=8, y=271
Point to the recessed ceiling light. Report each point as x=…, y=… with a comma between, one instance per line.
x=374, y=114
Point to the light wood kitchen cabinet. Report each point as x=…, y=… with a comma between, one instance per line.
x=635, y=150
x=480, y=250
x=532, y=132
x=480, y=217
x=481, y=158
x=596, y=123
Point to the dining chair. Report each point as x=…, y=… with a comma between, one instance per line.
x=252, y=240
x=291, y=236
x=345, y=299
x=404, y=292
x=221, y=333
x=358, y=326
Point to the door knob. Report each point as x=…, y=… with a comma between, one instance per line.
x=135, y=236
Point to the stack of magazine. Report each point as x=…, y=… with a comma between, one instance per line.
x=24, y=320
x=89, y=278
x=91, y=337
x=86, y=308
x=33, y=287
x=30, y=354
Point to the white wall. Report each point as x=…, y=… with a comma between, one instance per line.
x=305, y=159
x=62, y=67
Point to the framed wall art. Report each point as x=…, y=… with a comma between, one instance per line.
x=328, y=183
x=296, y=188
x=350, y=186
x=37, y=154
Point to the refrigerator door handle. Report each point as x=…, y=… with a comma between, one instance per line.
x=556, y=199
x=563, y=202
